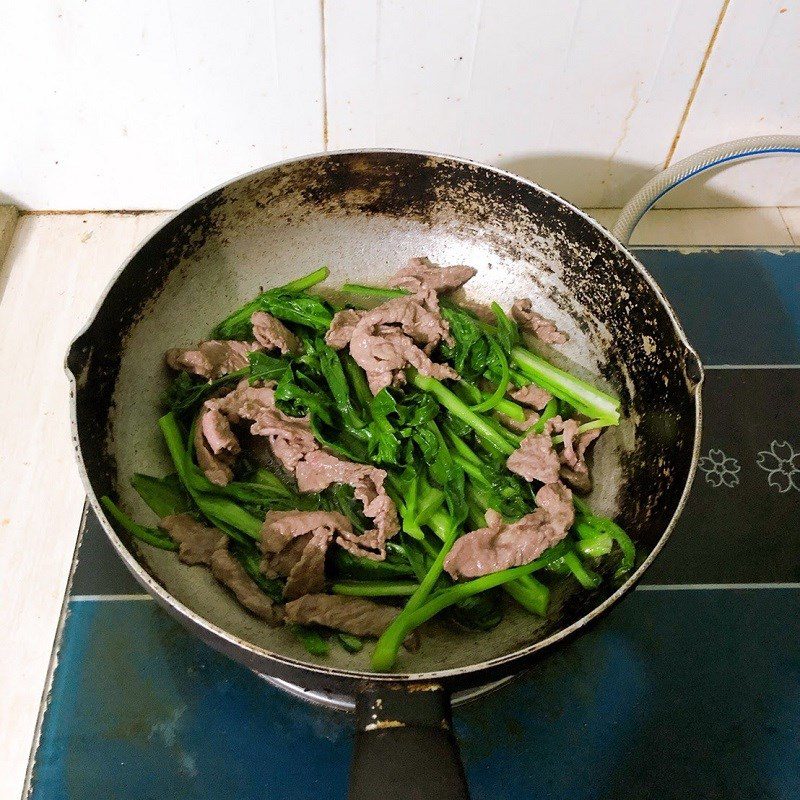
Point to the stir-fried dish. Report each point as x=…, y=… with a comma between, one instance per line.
x=355, y=470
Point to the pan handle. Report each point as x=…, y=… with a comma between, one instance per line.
x=404, y=746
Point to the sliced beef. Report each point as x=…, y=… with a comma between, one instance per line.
x=425, y=327
x=280, y=527
x=535, y=459
x=211, y=359
x=569, y=429
x=272, y=334
x=215, y=445
x=352, y=615
x=534, y=323
x=582, y=444
x=218, y=433
x=229, y=572
x=422, y=275
x=399, y=333
x=580, y=482
x=574, y=469
x=532, y=396
x=217, y=468
x=295, y=543
x=556, y=500
x=500, y=546
x=307, y=576
x=196, y=542
x=291, y=438
x=282, y=563
x=341, y=328
x=320, y=469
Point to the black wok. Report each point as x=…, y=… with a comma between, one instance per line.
x=363, y=214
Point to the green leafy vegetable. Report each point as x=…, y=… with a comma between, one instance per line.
x=583, y=396
x=165, y=496
x=350, y=643
x=151, y=536
x=313, y=641
x=385, y=652
x=264, y=367
x=185, y=394
x=284, y=302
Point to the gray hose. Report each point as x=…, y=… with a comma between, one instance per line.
x=688, y=167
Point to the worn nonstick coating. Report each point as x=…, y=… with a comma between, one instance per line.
x=363, y=214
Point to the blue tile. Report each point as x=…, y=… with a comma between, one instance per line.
x=737, y=306
x=683, y=694
x=142, y=710
x=679, y=694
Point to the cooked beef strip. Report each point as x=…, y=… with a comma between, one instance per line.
x=574, y=469
x=290, y=437
x=353, y=615
x=272, y=334
x=211, y=359
x=396, y=334
x=217, y=468
x=293, y=443
x=228, y=571
x=295, y=543
x=533, y=396
x=280, y=527
x=582, y=445
x=320, y=469
x=281, y=564
x=420, y=274
x=307, y=576
x=580, y=482
x=500, y=546
x=569, y=428
x=341, y=328
x=556, y=500
x=196, y=542
x=535, y=459
x=543, y=329
x=218, y=433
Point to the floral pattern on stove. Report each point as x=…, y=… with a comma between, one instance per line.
x=782, y=462
x=720, y=469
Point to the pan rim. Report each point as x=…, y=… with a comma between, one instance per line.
x=505, y=662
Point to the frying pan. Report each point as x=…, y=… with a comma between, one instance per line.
x=363, y=213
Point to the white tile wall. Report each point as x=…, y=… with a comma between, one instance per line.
x=112, y=104
x=750, y=87
x=118, y=104
x=583, y=97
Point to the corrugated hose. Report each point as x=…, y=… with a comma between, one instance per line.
x=693, y=165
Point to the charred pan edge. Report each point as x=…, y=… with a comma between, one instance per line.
x=292, y=669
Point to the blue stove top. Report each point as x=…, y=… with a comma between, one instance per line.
x=689, y=688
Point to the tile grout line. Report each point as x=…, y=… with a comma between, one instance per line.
x=786, y=224
x=325, y=135
x=696, y=85
x=710, y=587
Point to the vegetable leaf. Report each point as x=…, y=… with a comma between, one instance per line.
x=165, y=496
x=186, y=393
x=264, y=367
